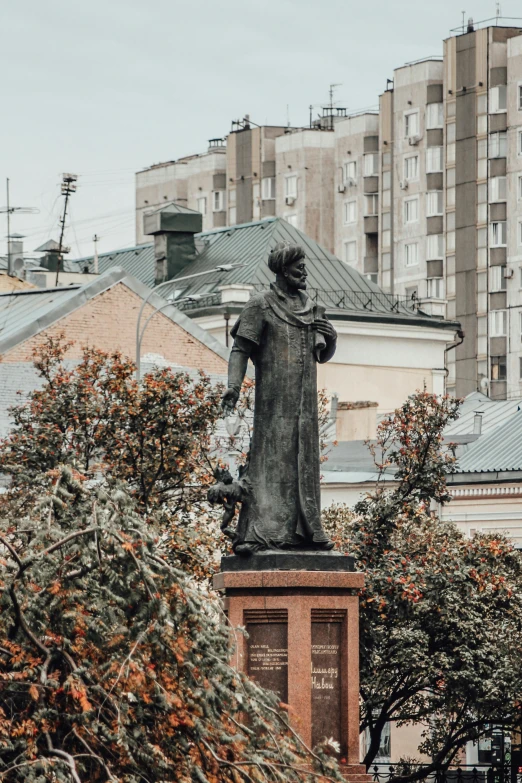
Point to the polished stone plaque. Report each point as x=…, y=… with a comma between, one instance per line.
x=267, y=656
x=326, y=681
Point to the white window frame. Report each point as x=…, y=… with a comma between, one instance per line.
x=411, y=131
x=519, y=96
x=232, y=197
x=434, y=159
x=218, y=200
x=497, y=279
x=498, y=323
x=435, y=287
x=352, y=244
x=371, y=164
x=350, y=171
x=519, y=142
x=268, y=189
x=198, y=204
x=408, y=209
x=519, y=233
x=291, y=186
x=498, y=233
x=291, y=219
x=520, y=325
x=498, y=99
x=373, y=199
x=350, y=212
x=437, y=241
x=496, y=186
x=411, y=257
x=519, y=188
x=232, y=215
x=415, y=176
x=497, y=147
x=436, y=121
x=436, y=196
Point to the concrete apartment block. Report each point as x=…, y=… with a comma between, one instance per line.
x=482, y=236
x=250, y=172
x=197, y=182
x=356, y=192
x=411, y=179
x=304, y=182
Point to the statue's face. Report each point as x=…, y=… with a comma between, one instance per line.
x=296, y=274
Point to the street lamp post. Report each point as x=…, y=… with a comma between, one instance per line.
x=139, y=334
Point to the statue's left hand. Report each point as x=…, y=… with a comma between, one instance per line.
x=323, y=326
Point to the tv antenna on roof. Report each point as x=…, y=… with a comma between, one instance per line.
x=8, y=210
x=498, y=10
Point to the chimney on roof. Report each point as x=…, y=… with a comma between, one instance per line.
x=477, y=423
x=356, y=420
x=173, y=229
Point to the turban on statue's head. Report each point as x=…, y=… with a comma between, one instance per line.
x=283, y=254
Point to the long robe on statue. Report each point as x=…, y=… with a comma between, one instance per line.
x=282, y=508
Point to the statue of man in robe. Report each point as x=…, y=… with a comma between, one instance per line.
x=285, y=334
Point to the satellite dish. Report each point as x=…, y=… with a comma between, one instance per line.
x=484, y=384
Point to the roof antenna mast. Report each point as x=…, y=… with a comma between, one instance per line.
x=68, y=187
x=498, y=10
x=8, y=210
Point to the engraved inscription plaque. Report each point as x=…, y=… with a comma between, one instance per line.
x=326, y=682
x=267, y=656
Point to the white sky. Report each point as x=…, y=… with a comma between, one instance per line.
x=105, y=88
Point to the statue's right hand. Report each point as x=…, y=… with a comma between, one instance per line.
x=229, y=399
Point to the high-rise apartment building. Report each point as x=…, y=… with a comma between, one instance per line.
x=424, y=196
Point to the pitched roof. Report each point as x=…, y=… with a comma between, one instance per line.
x=494, y=414
x=26, y=313
x=136, y=261
x=332, y=283
x=498, y=451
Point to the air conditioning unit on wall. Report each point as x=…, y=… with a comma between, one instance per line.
x=289, y=200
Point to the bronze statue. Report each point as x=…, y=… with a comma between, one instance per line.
x=284, y=333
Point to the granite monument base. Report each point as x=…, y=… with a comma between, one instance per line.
x=303, y=640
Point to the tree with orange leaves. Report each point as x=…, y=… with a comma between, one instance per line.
x=441, y=614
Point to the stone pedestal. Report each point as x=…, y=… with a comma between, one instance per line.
x=303, y=640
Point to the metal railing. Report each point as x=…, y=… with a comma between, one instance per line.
x=493, y=21
x=464, y=773
x=369, y=301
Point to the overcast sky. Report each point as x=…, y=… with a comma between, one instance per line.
x=103, y=88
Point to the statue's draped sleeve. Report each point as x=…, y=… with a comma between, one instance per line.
x=248, y=334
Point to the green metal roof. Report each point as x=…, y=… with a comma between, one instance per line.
x=137, y=261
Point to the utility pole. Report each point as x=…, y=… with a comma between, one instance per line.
x=68, y=187
x=8, y=209
x=96, y=239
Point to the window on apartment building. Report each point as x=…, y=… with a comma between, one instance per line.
x=268, y=188
x=520, y=367
x=411, y=253
x=434, y=115
x=498, y=144
x=519, y=142
x=350, y=171
x=434, y=159
x=386, y=158
x=519, y=96
x=371, y=204
x=373, y=277
x=450, y=221
x=411, y=210
x=201, y=205
x=291, y=219
x=232, y=216
x=435, y=288
x=498, y=189
x=386, y=221
x=451, y=133
x=386, y=180
x=498, y=368
x=435, y=246
x=411, y=167
x=497, y=323
x=232, y=196
x=434, y=203
x=450, y=241
x=497, y=279
x=520, y=325
x=350, y=252
x=291, y=186
x=498, y=233
x=218, y=200
x=256, y=201
x=350, y=211
x=411, y=123
x=519, y=233
x=371, y=164
x=451, y=108
x=482, y=103
x=498, y=99
x=519, y=187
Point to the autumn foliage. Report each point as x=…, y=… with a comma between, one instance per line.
x=441, y=614
x=115, y=656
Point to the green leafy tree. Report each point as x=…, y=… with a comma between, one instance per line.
x=114, y=664
x=441, y=614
